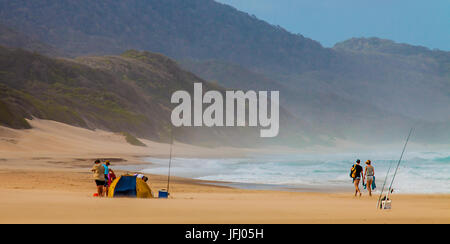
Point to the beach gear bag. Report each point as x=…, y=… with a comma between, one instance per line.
x=353, y=172
x=374, y=186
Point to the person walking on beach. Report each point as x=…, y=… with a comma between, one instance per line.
x=357, y=174
x=369, y=173
x=99, y=176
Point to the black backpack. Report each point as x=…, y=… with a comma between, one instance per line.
x=353, y=172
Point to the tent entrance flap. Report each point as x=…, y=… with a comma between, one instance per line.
x=126, y=187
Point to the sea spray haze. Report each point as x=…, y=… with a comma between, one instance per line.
x=214, y=114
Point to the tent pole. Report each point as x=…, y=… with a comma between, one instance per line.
x=170, y=157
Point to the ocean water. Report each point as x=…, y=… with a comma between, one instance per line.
x=419, y=172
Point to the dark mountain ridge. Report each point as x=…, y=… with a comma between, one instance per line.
x=12, y=38
x=181, y=29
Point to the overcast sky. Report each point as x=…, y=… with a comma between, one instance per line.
x=418, y=22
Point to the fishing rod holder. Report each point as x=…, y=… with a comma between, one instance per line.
x=386, y=204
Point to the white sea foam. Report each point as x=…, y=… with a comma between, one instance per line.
x=420, y=172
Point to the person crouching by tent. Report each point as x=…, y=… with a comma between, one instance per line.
x=99, y=176
x=141, y=176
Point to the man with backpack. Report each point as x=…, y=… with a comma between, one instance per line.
x=99, y=177
x=356, y=173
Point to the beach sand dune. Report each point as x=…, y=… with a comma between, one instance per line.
x=45, y=178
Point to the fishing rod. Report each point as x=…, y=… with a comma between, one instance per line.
x=398, y=165
x=170, y=158
x=395, y=173
x=384, y=184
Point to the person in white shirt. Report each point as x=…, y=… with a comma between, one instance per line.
x=141, y=176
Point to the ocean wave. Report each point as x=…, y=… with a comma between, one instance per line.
x=427, y=172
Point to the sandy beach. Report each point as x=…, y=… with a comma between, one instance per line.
x=45, y=178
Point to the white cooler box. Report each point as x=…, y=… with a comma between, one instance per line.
x=386, y=204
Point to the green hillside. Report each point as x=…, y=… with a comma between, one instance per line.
x=129, y=94
x=79, y=92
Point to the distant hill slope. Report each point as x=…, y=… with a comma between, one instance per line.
x=370, y=96
x=129, y=93
x=12, y=38
x=178, y=28
x=86, y=93
x=377, y=45
x=66, y=91
x=230, y=75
